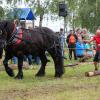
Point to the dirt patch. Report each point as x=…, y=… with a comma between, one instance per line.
x=39, y=92
x=1, y=68
x=30, y=93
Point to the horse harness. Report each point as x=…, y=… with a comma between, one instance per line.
x=17, y=36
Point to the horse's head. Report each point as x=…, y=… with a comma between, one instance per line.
x=6, y=28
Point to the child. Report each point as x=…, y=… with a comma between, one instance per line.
x=96, y=38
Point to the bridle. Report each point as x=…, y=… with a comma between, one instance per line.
x=13, y=36
x=10, y=41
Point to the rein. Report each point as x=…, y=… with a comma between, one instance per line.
x=15, y=36
x=12, y=37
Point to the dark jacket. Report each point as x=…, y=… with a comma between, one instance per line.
x=71, y=45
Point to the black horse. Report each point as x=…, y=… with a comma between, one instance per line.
x=36, y=42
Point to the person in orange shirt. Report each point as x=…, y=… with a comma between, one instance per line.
x=71, y=41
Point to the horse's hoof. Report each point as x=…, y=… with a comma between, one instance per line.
x=58, y=75
x=19, y=77
x=10, y=73
x=40, y=75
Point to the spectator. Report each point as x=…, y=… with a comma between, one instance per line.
x=85, y=34
x=28, y=58
x=71, y=41
x=96, y=38
x=79, y=36
x=37, y=60
x=62, y=39
x=17, y=24
x=14, y=59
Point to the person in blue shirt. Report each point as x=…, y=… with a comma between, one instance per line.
x=62, y=40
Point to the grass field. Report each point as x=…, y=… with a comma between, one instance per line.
x=72, y=86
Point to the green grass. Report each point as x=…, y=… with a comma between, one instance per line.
x=72, y=86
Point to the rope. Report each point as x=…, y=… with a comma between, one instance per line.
x=80, y=49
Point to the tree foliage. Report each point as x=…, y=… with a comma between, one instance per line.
x=1, y=13
x=89, y=12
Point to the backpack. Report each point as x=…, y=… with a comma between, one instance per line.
x=72, y=39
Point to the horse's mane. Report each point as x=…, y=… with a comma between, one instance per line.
x=8, y=25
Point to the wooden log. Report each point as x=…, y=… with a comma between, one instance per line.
x=92, y=73
x=71, y=65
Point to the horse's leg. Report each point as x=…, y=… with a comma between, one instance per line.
x=44, y=61
x=7, y=68
x=20, y=72
x=58, y=61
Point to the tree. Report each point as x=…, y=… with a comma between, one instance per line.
x=1, y=13
x=11, y=4
x=40, y=7
x=89, y=12
x=85, y=14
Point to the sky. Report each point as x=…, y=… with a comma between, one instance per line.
x=55, y=25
